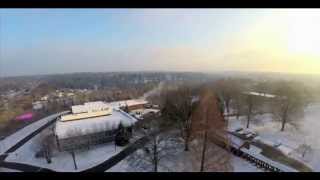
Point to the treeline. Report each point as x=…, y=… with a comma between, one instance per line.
x=118, y=80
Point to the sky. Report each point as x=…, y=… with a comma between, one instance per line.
x=48, y=41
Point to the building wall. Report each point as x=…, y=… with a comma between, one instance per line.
x=137, y=106
x=86, y=141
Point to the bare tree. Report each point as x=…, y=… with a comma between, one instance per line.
x=251, y=106
x=178, y=106
x=249, y=112
x=156, y=129
x=209, y=134
x=289, y=104
x=46, y=145
x=231, y=92
x=224, y=88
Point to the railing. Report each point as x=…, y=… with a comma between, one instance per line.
x=260, y=160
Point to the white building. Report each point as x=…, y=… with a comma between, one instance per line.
x=88, y=110
x=91, y=123
x=44, y=98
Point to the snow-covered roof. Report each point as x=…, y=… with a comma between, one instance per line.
x=90, y=106
x=260, y=94
x=93, y=125
x=131, y=102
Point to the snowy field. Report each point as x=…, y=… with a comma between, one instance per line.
x=11, y=140
x=305, y=133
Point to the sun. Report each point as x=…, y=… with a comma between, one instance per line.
x=304, y=33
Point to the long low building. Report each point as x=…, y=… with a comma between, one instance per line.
x=132, y=104
x=91, y=129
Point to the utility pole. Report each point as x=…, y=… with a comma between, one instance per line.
x=74, y=160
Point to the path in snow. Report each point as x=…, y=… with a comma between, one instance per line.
x=15, y=138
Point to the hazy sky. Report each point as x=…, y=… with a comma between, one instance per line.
x=43, y=41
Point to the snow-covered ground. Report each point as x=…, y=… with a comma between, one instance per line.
x=63, y=161
x=305, y=133
x=176, y=160
x=178, y=165
x=11, y=140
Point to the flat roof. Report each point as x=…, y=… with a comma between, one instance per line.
x=88, y=106
x=130, y=102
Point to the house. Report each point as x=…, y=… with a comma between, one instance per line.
x=60, y=94
x=91, y=124
x=70, y=94
x=37, y=105
x=44, y=98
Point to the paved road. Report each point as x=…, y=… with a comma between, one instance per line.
x=24, y=167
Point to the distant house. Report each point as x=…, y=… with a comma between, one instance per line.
x=70, y=94
x=90, y=124
x=60, y=94
x=37, y=105
x=44, y=98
